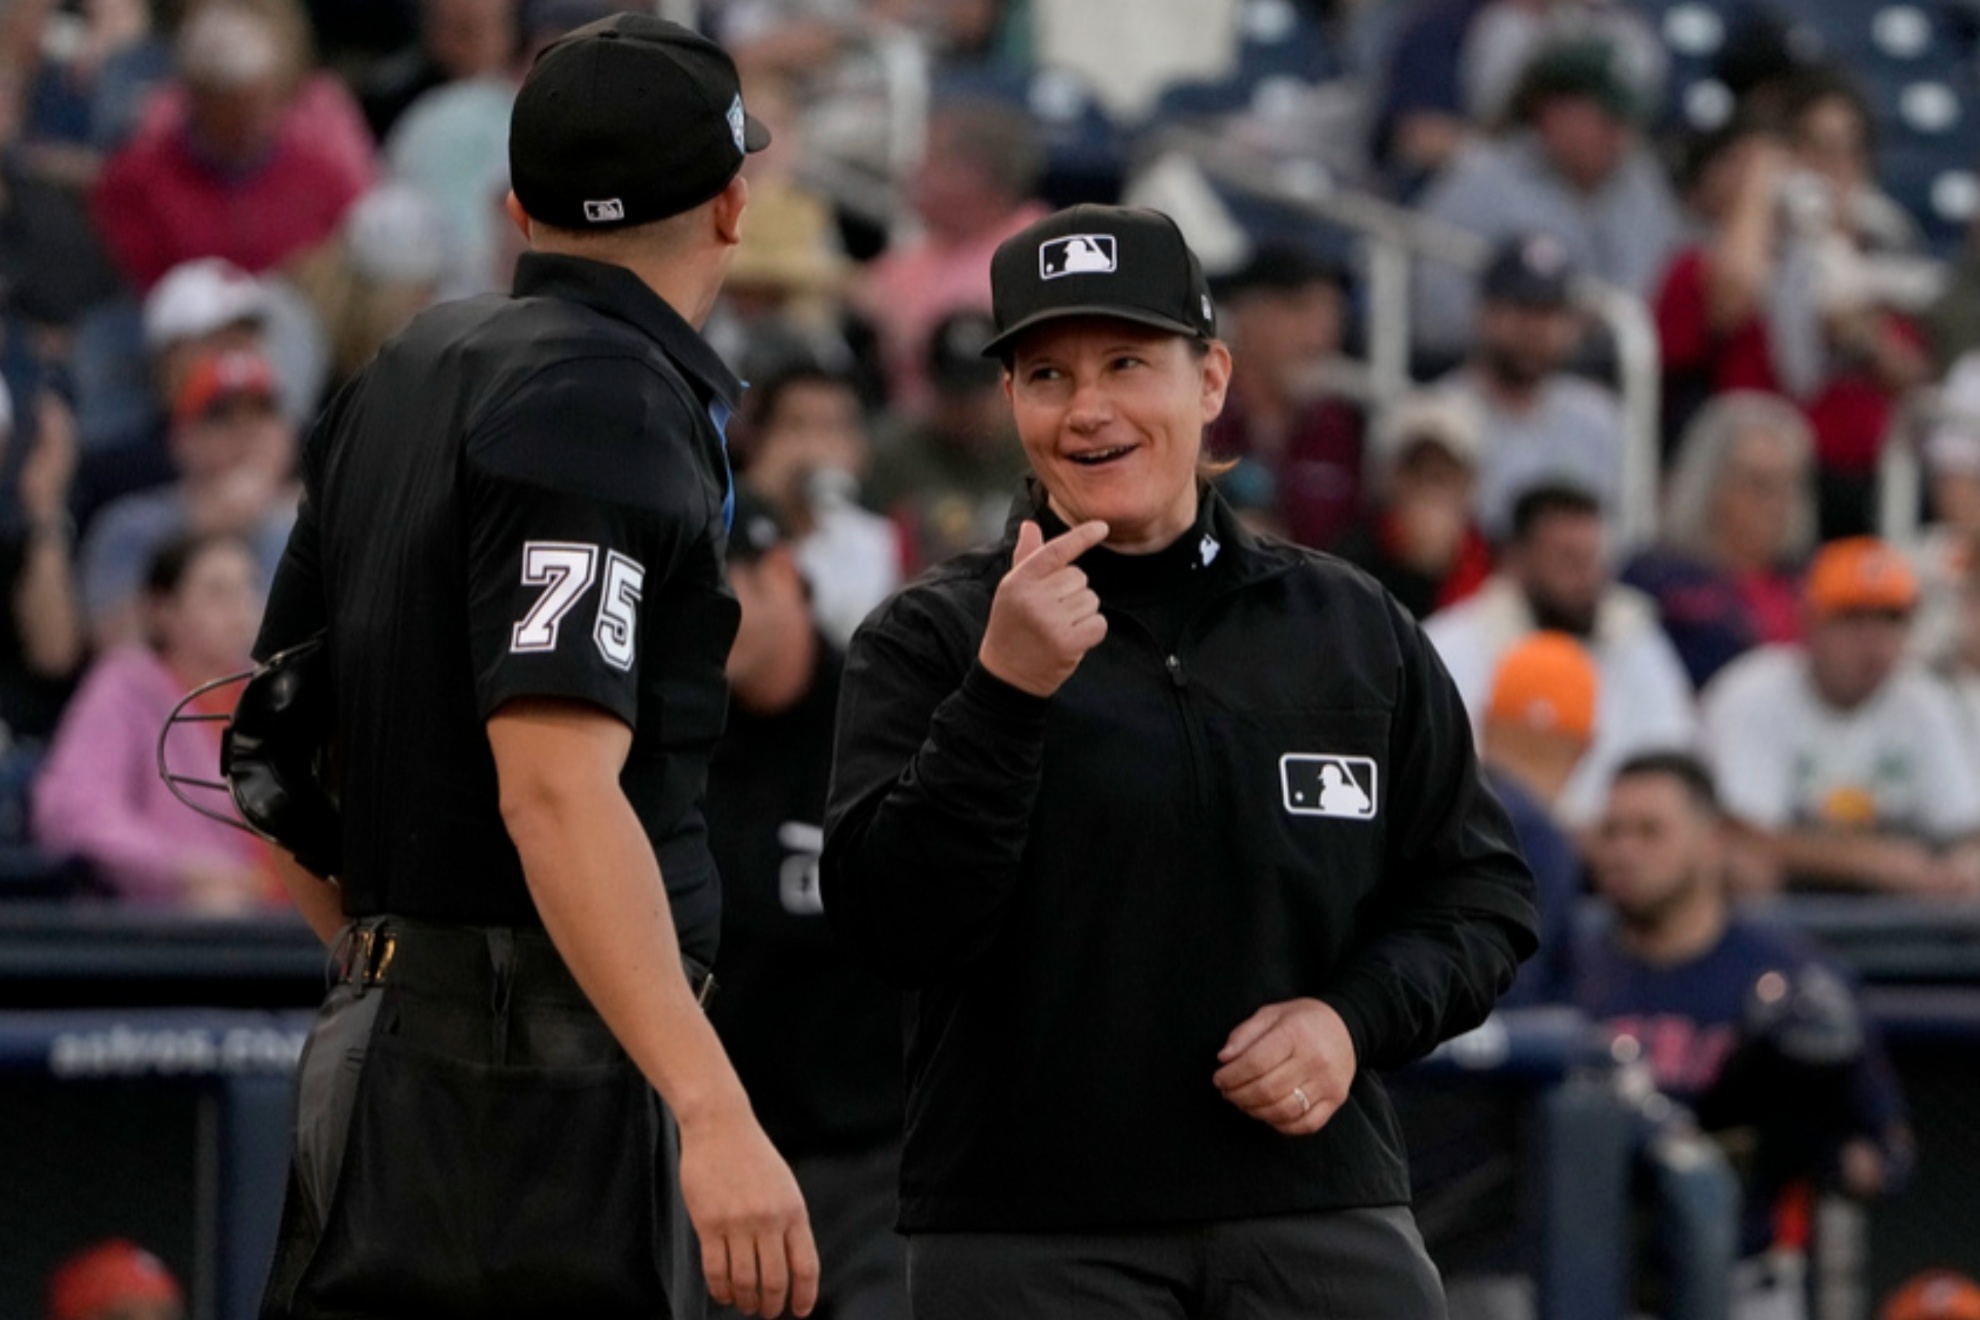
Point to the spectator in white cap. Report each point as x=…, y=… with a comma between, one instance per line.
x=1418, y=537
x=235, y=455
x=207, y=305
x=132, y=362
x=388, y=265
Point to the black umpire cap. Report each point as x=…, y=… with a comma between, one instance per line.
x=627, y=120
x=1098, y=261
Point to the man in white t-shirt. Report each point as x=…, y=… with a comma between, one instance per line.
x=1843, y=758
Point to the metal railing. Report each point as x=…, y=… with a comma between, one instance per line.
x=1395, y=237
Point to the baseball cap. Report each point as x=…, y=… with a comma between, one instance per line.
x=757, y=529
x=1533, y=270
x=195, y=298
x=1098, y=261
x=109, y=1274
x=1427, y=416
x=627, y=120
x=1547, y=684
x=1860, y=573
x=1934, y=1295
x=220, y=378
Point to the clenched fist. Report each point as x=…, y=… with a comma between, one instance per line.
x=1044, y=618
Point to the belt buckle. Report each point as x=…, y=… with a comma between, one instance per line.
x=368, y=953
x=384, y=943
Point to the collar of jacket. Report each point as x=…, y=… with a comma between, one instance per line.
x=618, y=292
x=1250, y=559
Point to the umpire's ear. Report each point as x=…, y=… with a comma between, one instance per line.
x=727, y=210
x=517, y=216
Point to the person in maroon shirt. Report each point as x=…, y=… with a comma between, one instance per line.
x=238, y=177
x=1284, y=312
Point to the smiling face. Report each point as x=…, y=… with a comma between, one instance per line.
x=1112, y=415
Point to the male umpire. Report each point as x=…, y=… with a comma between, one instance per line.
x=512, y=532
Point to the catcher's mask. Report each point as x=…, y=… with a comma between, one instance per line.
x=275, y=755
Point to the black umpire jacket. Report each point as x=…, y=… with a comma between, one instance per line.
x=1088, y=892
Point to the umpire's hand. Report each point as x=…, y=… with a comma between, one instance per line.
x=1289, y=1065
x=1044, y=618
x=756, y=1247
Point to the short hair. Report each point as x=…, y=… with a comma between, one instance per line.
x=626, y=240
x=1707, y=447
x=1686, y=769
x=996, y=138
x=765, y=399
x=1548, y=499
x=1828, y=82
x=166, y=572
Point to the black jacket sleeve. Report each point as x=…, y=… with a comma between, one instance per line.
x=1455, y=914
x=298, y=604
x=934, y=778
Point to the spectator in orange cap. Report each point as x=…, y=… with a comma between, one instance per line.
x=1539, y=724
x=1841, y=757
x=114, y=1280
x=1934, y=1295
x=234, y=452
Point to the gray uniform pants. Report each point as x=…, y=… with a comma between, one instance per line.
x=1366, y=1264
x=471, y=1142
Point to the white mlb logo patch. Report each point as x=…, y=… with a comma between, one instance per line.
x=601, y=212
x=1077, y=254
x=1316, y=784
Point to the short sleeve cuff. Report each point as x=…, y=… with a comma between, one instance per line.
x=514, y=682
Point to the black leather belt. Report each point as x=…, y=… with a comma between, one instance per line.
x=375, y=950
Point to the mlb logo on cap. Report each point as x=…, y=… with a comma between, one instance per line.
x=603, y=212
x=1053, y=269
x=1077, y=254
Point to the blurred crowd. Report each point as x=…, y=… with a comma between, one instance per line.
x=213, y=211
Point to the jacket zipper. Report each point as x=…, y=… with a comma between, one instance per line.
x=1172, y=665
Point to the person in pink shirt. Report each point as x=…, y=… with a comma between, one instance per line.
x=242, y=157
x=972, y=191
x=99, y=796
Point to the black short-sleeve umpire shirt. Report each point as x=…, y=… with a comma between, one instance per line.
x=519, y=497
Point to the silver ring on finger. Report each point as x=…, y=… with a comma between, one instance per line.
x=1299, y=1094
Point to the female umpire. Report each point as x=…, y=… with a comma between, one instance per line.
x=1177, y=835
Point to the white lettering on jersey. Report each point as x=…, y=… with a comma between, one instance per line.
x=617, y=631
x=566, y=571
